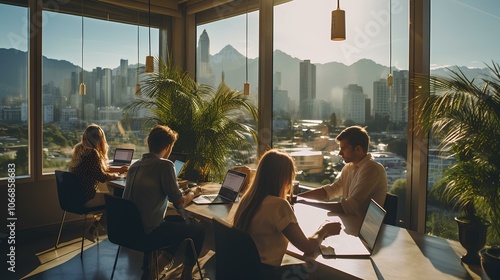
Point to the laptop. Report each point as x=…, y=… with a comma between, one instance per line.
x=122, y=157
x=228, y=191
x=361, y=246
x=178, y=165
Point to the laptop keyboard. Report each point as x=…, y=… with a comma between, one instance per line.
x=214, y=199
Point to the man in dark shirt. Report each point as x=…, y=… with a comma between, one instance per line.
x=151, y=183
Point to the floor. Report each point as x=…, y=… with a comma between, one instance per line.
x=36, y=257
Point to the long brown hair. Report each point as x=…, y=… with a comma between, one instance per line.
x=93, y=138
x=274, y=176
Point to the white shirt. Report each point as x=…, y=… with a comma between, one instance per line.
x=358, y=183
x=266, y=229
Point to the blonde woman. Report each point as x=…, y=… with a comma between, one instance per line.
x=90, y=163
x=265, y=213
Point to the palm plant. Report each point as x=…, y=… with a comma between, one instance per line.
x=464, y=114
x=210, y=122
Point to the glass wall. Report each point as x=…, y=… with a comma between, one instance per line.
x=227, y=52
x=322, y=86
x=14, y=102
x=469, y=51
x=109, y=58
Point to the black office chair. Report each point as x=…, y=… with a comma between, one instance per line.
x=391, y=206
x=72, y=199
x=236, y=255
x=125, y=228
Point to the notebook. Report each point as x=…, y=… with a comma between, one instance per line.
x=228, y=191
x=178, y=164
x=361, y=246
x=122, y=157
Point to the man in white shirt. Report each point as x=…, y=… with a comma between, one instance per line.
x=361, y=179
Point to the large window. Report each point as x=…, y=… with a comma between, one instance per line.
x=322, y=86
x=113, y=57
x=472, y=47
x=14, y=102
x=227, y=51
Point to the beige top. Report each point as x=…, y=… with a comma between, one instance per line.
x=358, y=183
x=273, y=216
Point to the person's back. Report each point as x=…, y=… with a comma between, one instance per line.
x=267, y=216
x=150, y=184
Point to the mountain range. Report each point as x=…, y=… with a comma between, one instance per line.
x=331, y=77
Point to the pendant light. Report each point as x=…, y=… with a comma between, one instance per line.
x=138, y=85
x=246, y=85
x=150, y=65
x=338, y=24
x=390, y=78
x=83, y=88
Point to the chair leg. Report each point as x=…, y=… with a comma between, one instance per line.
x=195, y=256
x=60, y=229
x=83, y=236
x=116, y=259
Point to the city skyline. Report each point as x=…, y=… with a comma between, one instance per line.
x=372, y=17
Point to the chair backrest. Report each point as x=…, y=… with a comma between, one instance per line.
x=236, y=255
x=391, y=206
x=70, y=192
x=124, y=223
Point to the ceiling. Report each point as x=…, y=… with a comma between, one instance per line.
x=174, y=8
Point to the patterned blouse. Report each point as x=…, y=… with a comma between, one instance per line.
x=90, y=172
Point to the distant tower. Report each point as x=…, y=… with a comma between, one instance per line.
x=307, y=87
x=381, y=98
x=204, y=75
x=353, y=104
x=399, y=97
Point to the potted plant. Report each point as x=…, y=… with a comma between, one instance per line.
x=464, y=114
x=213, y=124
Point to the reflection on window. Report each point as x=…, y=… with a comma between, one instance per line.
x=14, y=105
x=224, y=55
x=112, y=66
x=322, y=86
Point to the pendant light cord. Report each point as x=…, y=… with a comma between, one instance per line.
x=149, y=24
x=138, y=47
x=82, y=41
x=246, y=46
x=390, y=36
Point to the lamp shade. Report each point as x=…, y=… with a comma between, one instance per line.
x=150, y=64
x=83, y=89
x=138, y=89
x=338, y=25
x=390, y=80
x=246, y=88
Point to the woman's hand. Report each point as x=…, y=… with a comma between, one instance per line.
x=329, y=229
x=123, y=169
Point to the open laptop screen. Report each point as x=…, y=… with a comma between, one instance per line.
x=371, y=225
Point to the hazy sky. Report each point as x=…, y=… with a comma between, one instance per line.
x=302, y=29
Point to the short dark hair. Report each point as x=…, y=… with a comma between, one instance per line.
x=160, y=137
x=355, y=136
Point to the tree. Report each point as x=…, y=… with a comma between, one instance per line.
x=209, y=121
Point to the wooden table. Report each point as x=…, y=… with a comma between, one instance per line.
x=398, y=254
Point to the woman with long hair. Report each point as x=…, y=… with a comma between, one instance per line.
x=265, y=213
x=90, y=163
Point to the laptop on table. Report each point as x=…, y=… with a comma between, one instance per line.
x=361, y=246
x=179, y=165
x=228, y=191
x=122, y=156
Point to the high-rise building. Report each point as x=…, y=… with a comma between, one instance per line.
x=353, y=102
x=307, y=89
x=205, y=73
x=399, y=97
x=381, y=98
